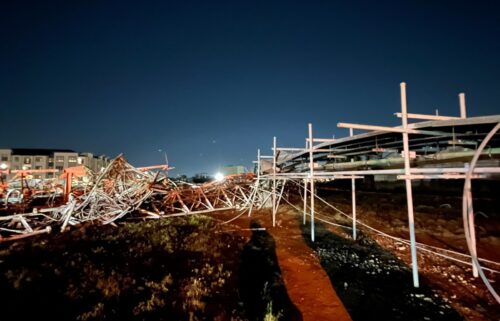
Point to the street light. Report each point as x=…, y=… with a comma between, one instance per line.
x=3, y=166
x=166, y=158
x=219, y=177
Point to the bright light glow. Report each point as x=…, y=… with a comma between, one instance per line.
x=3, y=166
x=219, y=177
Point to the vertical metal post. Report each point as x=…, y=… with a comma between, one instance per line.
x=257, y=184
x=258, y=164
x=463, y=110
x=166, y=163
x=274, y=181
x=409, y=194
x=311, y=173
x=305, y=200
x=472, y=230
x=67, y=186
x=353, y=187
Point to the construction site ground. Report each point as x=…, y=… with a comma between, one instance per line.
x=192, y=268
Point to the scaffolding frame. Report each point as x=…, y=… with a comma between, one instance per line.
x=407, y=173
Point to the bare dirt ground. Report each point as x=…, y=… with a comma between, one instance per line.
x=306, y=282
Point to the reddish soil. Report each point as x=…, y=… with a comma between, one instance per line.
x=307, y=284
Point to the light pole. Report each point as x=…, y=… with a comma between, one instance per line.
x=165, y=153
x=166, y=159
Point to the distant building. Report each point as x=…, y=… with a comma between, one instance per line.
x=26, y=159
x=233, y=169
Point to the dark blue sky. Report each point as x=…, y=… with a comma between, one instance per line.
x=212, y=81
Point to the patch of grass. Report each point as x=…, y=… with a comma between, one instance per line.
x=171, y=269
x=270, y=316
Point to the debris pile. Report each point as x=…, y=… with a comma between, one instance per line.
x=122, y=190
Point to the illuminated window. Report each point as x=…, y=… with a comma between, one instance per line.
x=38, y=159
x=59, y=159
x=27, y=160
x=72, y=159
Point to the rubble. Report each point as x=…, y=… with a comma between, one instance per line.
x=123, y=191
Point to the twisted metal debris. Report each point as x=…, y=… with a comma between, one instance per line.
x=123, y=191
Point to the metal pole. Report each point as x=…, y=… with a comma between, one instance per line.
x=274, y=181
x=472, y=230
x=281, y=193
x=409, y=194
x=311, y=166
x=257, y=183
x=67, y=186
x=22, y=184
x=305, y=200
x=353, y=185
x=258, y=163
x=463, y=110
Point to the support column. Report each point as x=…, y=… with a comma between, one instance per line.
x=463, y=110
x=353, y=187
x=274, y=181
x=409, y=194
x=257, y=183
x=305, y=200
x=472, y=230
x=311, y=174
x=22, y=184
x=67, y=186
x=258, y=163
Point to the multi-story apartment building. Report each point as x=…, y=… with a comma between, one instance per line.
x=96, y=163
x=26, y=159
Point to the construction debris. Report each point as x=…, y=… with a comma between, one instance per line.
x=123, y=191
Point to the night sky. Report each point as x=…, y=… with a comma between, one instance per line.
x=212, y=81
